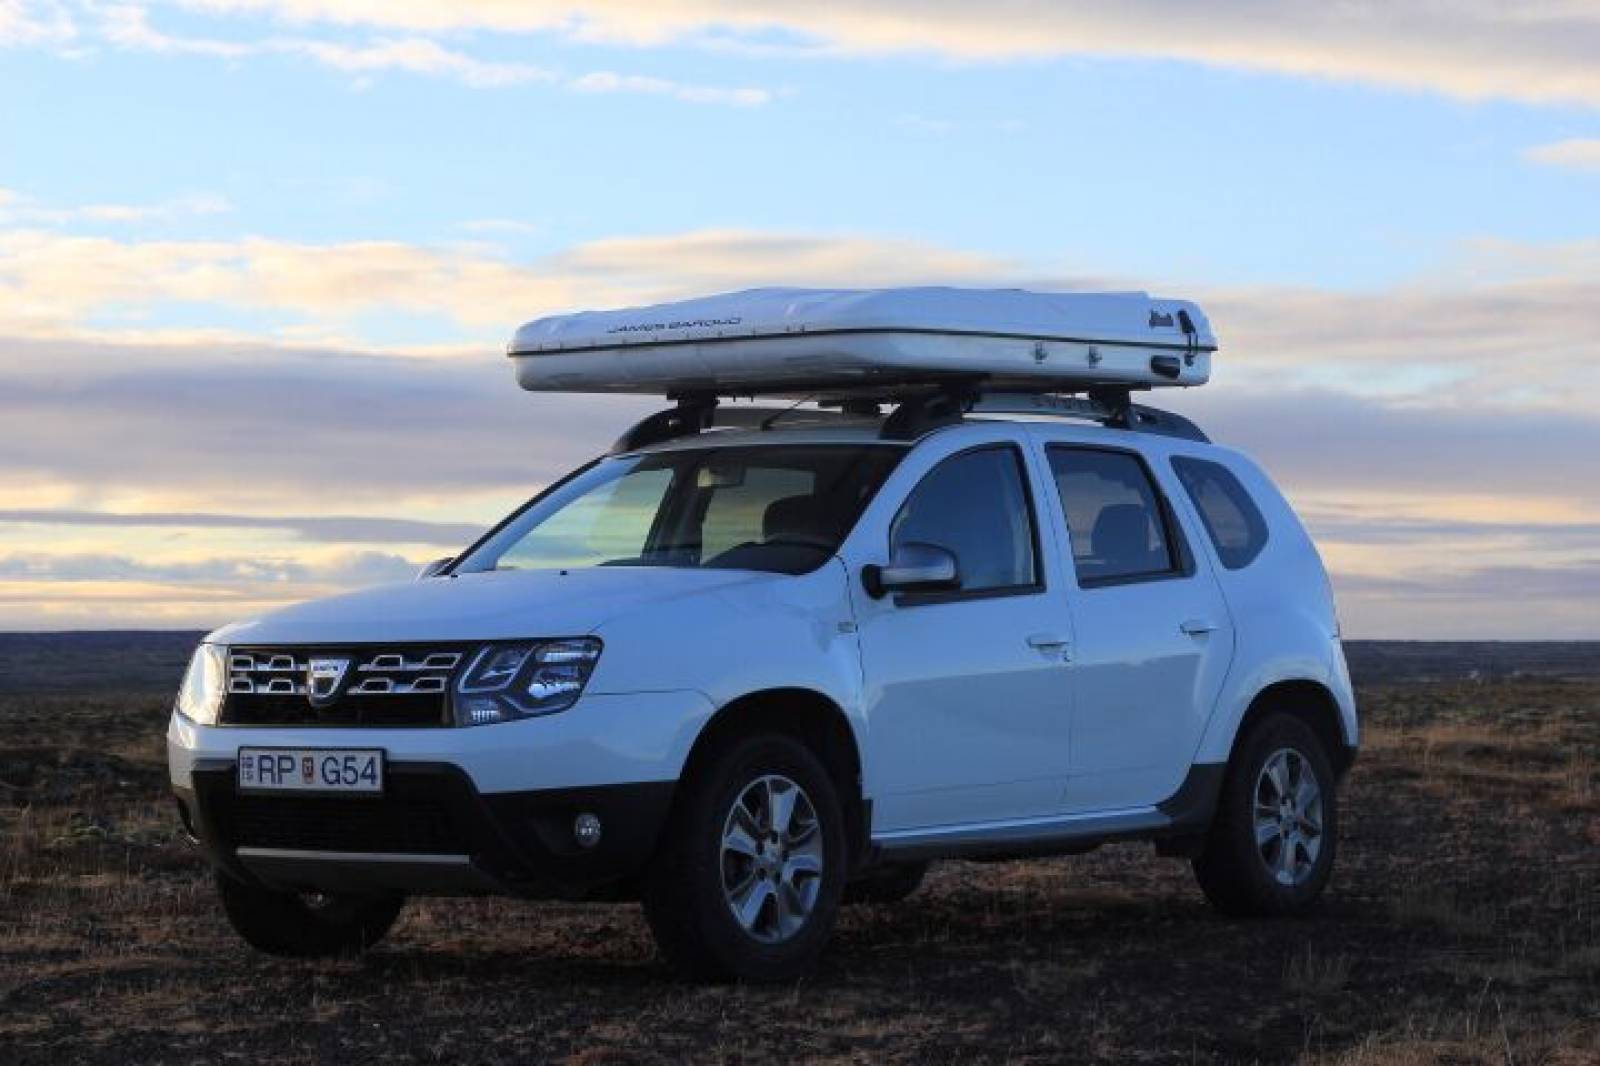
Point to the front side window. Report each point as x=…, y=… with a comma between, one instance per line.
x=976, y=506
x=779, y=508
x=1231, y=517
x=1114, y=516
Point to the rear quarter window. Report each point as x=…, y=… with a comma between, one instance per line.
x=1231, y=517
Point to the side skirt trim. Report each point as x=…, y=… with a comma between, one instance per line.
x=1186, y=813
x=1020, y=835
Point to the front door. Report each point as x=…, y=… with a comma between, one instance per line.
x=1154, y=637
x=967, y=694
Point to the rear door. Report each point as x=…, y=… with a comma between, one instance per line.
x=1153, y=634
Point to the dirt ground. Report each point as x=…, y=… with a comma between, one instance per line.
x=1463, y=925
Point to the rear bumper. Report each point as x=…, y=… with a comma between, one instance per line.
x=432, y=832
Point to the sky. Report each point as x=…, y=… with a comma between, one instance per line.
x=259, y=260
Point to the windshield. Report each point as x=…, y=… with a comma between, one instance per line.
x=780, y=508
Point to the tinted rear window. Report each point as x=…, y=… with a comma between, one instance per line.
x=1231, y=517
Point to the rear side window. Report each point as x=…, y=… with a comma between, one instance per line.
x=1119, y=528
x=975, y=505
x=1231, y=517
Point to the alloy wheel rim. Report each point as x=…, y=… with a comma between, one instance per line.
x=772, y=859
x=1288, y=817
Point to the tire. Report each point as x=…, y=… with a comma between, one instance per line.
x=302, y=927
x=891, y=883
x=714, y=858
x=1287, y=870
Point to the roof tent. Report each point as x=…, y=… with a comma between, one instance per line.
x=816, y=342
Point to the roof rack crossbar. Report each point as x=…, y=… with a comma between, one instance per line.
x=697, y=412
x=692, y=414
x=940, y=405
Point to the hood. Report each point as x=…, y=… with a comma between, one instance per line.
x=498, y=605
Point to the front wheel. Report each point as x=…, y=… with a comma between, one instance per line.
x=1271, y=847
x=748, y=880
x=306, y=926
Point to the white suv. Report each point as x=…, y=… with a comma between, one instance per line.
x=747, y=674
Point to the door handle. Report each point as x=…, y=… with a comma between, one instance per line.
x=1049, y=642
x=1196, y=627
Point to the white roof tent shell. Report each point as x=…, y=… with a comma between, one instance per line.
x=842, y=342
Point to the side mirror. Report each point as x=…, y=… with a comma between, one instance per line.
x=434, y=569
x=915, y=567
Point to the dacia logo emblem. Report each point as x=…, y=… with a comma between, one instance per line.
x=323, y=678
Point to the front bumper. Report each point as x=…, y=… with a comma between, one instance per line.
x=464, y=811
x=431, y=832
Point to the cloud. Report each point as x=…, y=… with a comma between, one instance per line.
x=127, y=26
x=51, y=283
x=1578, y=153
x=1450, y=337
x=17, y=209
x=263, y=429
x=358, y=568
x=416, y=55
x=1335, y=442
x=1516, y=338
x=1508, y=584
x=1541, y=51
x=31, y=23
x=605, y=81
x=1496, y=602
x=103, y=590
x=514, y=226
x=1378, y=529
x=332, y=529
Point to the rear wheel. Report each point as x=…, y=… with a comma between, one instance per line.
x=1271, y=847
x=748, y=881
x=306, y=926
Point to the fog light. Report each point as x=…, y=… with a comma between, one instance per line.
x=586, y=830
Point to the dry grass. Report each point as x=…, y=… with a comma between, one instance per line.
x=1463, y=926
x=1311, y=972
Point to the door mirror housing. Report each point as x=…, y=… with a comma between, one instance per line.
x=435, y=568
x=914, y=567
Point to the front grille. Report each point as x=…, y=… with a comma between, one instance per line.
x=416, y=825
x=353, y=686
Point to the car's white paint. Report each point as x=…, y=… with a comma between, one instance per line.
x=966, y=721
x=1143, y=686
x=643, y=736
x=960, y=722
x=484, y=606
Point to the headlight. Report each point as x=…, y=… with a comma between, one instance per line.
x=505, y=682
x=200, y=696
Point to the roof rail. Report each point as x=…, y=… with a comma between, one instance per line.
x=1111, y=407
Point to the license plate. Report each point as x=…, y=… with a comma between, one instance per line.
x=326, y=770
